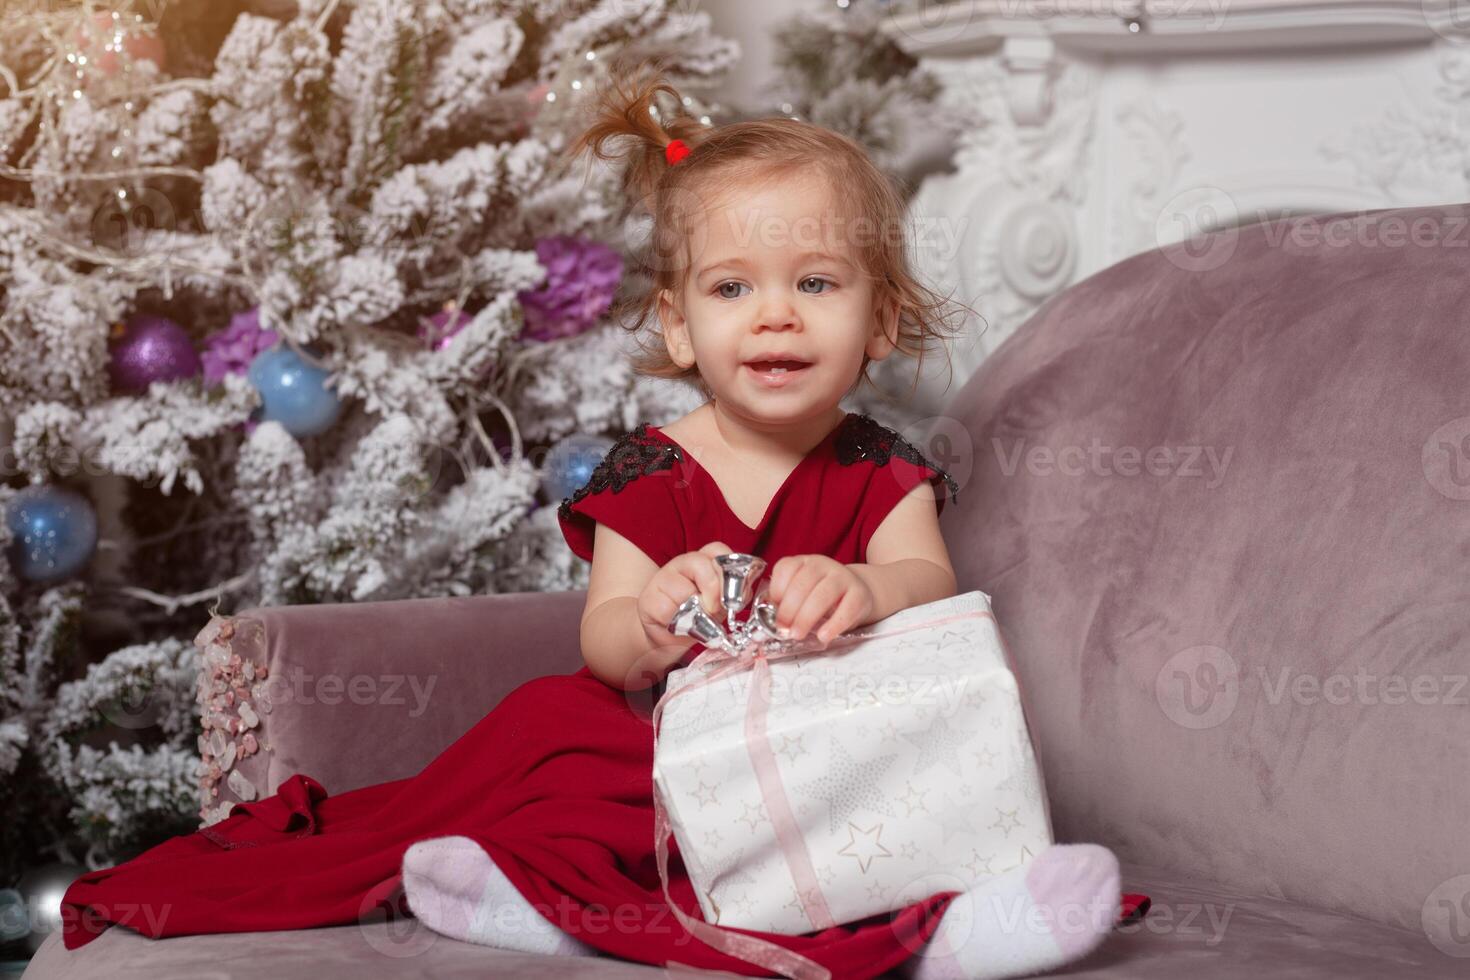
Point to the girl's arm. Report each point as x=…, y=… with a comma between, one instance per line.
x=614, y=644
x=908, y=563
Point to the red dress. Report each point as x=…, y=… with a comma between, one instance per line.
x=555, y=783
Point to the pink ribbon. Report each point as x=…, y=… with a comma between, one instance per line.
x=783, y=961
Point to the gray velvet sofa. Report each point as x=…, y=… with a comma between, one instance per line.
x=1220, y=494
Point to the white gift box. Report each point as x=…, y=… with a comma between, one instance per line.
x=904, y=761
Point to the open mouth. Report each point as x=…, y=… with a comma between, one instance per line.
x=777, y=367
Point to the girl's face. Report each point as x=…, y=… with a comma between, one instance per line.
x=776, y=274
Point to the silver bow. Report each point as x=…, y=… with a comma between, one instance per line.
x=737, y=573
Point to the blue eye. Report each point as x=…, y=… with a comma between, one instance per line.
x=719, y=289
x=722, y=285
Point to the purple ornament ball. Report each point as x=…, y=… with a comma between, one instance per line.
x=147, y=349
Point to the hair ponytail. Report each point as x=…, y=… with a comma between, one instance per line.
x=623, y=109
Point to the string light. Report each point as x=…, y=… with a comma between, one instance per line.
x=576, y=85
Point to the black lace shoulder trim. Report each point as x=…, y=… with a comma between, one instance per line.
x=634, y=454
x=863, y=437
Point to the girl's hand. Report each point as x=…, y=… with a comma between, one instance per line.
x=810, y=588
x=685, y=575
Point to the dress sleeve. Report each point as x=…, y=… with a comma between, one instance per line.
x=891, y=481
x=629, y=491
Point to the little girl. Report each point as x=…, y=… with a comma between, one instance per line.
x=534, y=830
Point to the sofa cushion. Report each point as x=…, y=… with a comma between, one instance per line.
x=1193, y=929
x=1242, y=641
x=415, y=673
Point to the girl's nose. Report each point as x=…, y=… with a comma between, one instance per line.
x=778, y=311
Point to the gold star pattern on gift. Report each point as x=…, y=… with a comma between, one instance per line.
x=753, y=815
x=985, y=756
x=978, y=865
x=1026, y=855
x=827, y=874
x=791, y=746
x=864, y=845
x=876, y=890
x=913, y=799
x=849, y=786
x=940, y=742
x=712, y=838
x=705, y=794
x=795, y=901
x=907, y=643
x=910, y=850
x=1006, y=821
x=952, y=637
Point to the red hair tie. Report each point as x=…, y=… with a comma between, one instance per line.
x=675, y=151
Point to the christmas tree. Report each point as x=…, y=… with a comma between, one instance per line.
x=305, y=302
x=835, y=67
x=298, y=303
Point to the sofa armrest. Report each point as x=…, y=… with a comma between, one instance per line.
x=354, y=694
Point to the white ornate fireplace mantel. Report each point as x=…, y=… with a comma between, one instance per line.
x=1089, y=130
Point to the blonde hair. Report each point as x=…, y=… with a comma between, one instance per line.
x=724, y=157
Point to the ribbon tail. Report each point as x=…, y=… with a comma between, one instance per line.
x=761, y=952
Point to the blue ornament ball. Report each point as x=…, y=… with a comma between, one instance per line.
x=570, y=462
x=293, y=392
x=54, y=532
